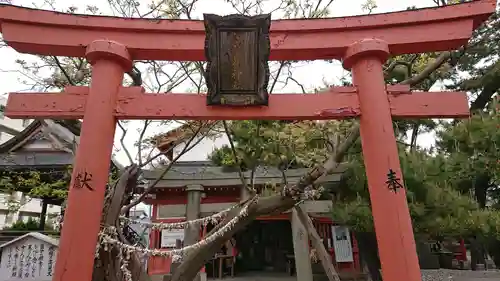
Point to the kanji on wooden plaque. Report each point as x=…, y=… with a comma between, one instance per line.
x=237, y=51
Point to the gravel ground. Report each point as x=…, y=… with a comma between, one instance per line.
x=460, y=275
x=427, y=275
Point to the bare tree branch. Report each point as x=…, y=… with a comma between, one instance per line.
x=122, y=142
x=151, y=186
x=236, y=158
x=428, y=70
x=139, y=142
x=63, y=70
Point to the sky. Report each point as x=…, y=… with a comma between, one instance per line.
x=311, y=75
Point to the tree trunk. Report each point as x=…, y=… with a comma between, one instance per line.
x=108, y=266
x=43, y=215
x=494, y=250
x=476, y=253
x=368, y=249
x=481, y=186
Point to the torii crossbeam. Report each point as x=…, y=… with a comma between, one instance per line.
x=337, y=103
x=363, y=43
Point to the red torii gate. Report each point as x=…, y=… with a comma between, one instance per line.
x=363, y=43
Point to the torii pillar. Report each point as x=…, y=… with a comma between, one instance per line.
x=391, y=216
x=110, y=61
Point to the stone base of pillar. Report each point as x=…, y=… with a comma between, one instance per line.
x=202, y=276
x=157, y=277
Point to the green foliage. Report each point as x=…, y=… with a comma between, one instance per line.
x=30, y=225
x=473, y=147
x=439, y=205
x=480, y=62
x=277, y=143
x=35, y=184
x=39, y=184
x=437, y=209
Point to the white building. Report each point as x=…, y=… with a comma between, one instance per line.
x=10, y=127
x=26, y=207
x=140, y=214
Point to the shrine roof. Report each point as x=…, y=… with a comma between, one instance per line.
x=204, y=173
x=18, y=140
x=165, y=141
x=17, y=153
x=54, y=33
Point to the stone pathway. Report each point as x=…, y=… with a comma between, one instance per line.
x=427, y=275
x=460, y=275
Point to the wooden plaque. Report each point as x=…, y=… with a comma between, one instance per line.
x=237, y=51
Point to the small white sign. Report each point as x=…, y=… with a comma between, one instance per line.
x=169, y=237
x=342, y=244
x=28, y=258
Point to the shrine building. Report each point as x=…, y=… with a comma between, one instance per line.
x=196, y=189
